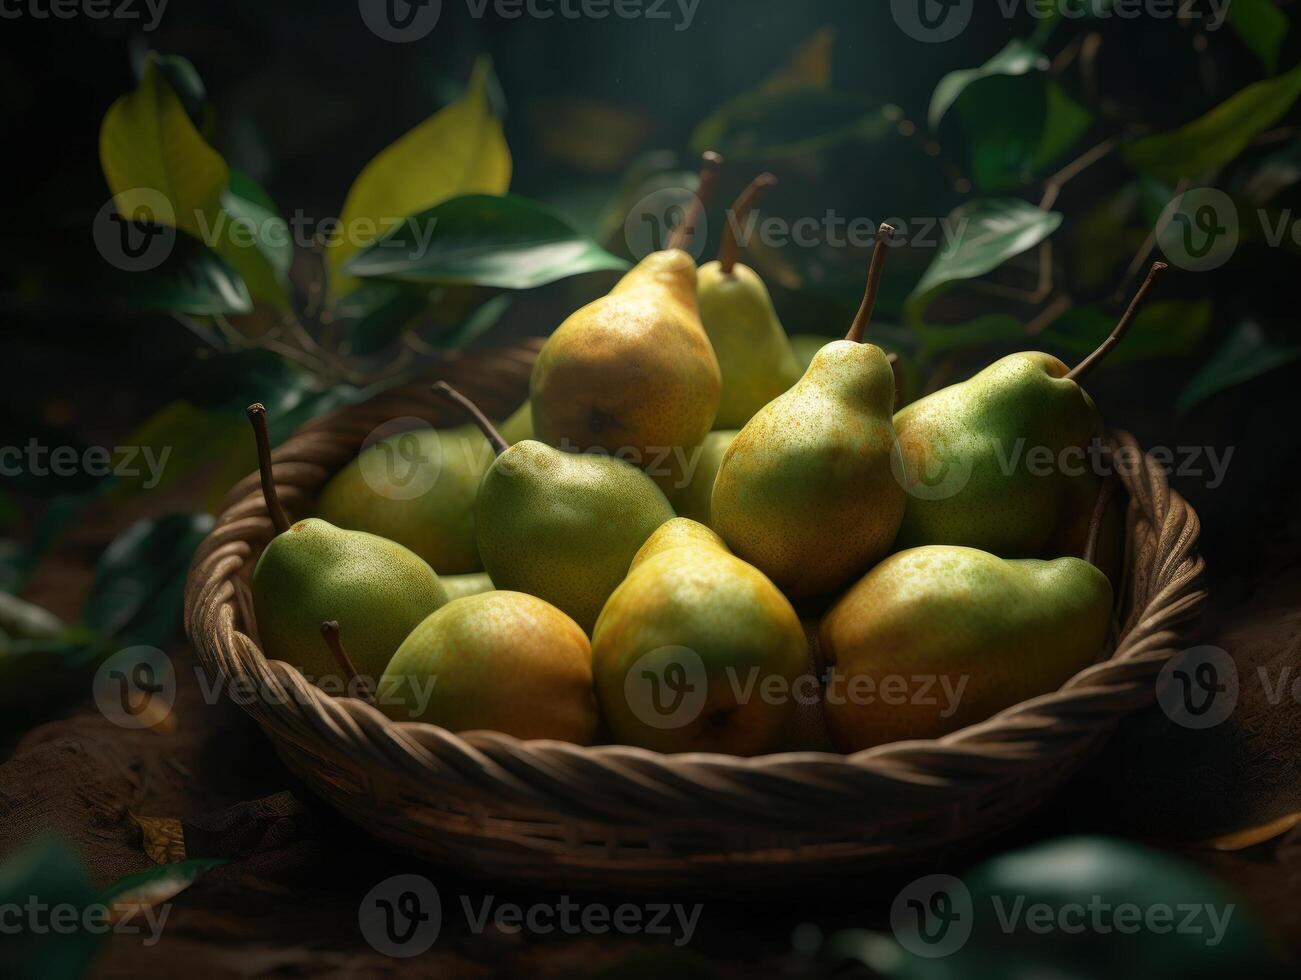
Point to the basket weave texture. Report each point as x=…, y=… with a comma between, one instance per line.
x=615, y=816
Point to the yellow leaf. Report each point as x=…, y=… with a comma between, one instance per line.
x=809, y=66
x=151, y=152
x=162, y=838
x=459, y=150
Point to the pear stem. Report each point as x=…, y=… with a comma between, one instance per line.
x=752, y=195
x=257, y=417
x=1122, y=328
x=1105, y=493
x=710, y=164
x=499, y=444
x=334, y=640
x=858, y=328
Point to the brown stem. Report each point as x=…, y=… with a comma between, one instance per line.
x=859, y=327
x=1105, y=493
x=334, y=640
x=710, y=164
x=752, y=195
x=1126, y=321
x=257, y=416
x=499, y=444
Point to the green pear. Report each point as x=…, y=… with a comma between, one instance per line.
x=416, y=488
x=475, y=583
x=692, y=499
x=690, y=643
x=558, y=525
x=937, y=638
x=754, y=356
x=807, y=491
x=503, y=661
x=998, y=462
x=633, y=373
x=313, y=571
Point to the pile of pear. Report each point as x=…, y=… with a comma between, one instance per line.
x=685, y=524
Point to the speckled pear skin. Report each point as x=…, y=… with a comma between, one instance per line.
x=632, y=373
x=754, y=356
x=983, y=428
x=438, y=525
x=807, y=492
x=685, y=589
x=1072, y=536
x=503, y=661
x=563, y=526
x=376, y=589
x=995, y=631
x=693, y=499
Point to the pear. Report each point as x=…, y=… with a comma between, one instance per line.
x=805, y=347
x=754, y=356
x=560, y=526
x=313, y=571
x=475, y=583
x=937, y=638
x=692, y=499
x=633, y=373
x=689, y=644
x=416, y=488
x=806, y=492
x=518, y=426
x=997, y=462
x=504, y=661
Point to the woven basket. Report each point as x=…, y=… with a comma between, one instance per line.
x=615, y=816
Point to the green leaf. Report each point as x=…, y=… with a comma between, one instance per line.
x=1262, y=28
x=376, y=313
x=988, y=232
x=479, y=322
x=193, y=279
x=1170, y=329
x=1018, y=58
x=1065, y=122
x=993, y=328
x=176, y=442
x=503, y=242
x=782, y=123
x=1210, y=142
x=47, y=872
x=252, y=236
x=155, y=885
x=185, y=81
x=148, y=146
x=461, y=149
x=140, y=579
x=1248, y=352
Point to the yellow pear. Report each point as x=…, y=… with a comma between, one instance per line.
x=633, y=374
x=504, y=661
x=696, y=650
